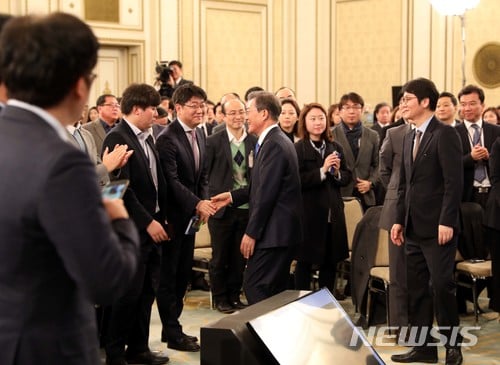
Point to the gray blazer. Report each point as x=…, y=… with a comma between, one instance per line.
x=389, y=168
x=366, y=165
x=97, y=131
x=100, y=169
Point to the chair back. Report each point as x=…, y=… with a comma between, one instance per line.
x=382, y=253
x=353, y=212
x=202, y=238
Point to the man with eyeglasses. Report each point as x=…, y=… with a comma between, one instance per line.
x=427, y=223
x=361, y=146
x=182, y=154
x=109, y=113
x=229, y=159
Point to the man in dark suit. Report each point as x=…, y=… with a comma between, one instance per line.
x=109, y=113
x=389, y=168
x=427, y=222
x=229, y=154
x=146, y=200
x=274, y=226
x=61, y=248
x=182, y=154
x=477, y=138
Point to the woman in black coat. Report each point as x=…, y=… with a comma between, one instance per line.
x=322, y=172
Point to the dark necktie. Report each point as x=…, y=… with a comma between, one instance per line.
x=418, y=135
x=196, y=151
x=257, y=148
x=479, y=172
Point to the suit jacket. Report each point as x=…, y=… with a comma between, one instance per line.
x=91, y=149
x=390, y=157
x=380, y=130
x=490, y=134
x=492, y=214
x=59, y=252
x=97, y=130
x=274, y=194
x=140, y=197
x=431, y=186
x=220, y=164
x=321, y=199
x=365, y=166
x=157, y=129
x=186, y=186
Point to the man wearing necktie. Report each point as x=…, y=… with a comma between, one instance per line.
x=427, y=223
x=182, y=154
x=477, y=138
x=146, y=201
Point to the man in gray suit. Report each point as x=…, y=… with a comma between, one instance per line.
x=360, y=146
x=109, y=113
x=110, y=161
x=389, y=168
x=61, y=248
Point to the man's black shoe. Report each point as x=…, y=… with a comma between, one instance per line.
x=116, y=362
x=183, y=344
x=428, y=355
x=237, y=304
x=224, y=307
x=188, y=337
x=147, y=357
x=453, y=356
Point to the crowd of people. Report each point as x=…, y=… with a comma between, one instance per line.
x=267, y=176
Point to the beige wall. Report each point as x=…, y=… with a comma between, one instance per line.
x=321, y=48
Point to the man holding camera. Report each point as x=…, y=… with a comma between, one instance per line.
x=170, y=77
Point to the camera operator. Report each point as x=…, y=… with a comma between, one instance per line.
x=170, y=76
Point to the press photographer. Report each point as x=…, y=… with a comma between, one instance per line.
x=169, y=76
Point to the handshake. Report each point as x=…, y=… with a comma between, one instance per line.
x=207, y=208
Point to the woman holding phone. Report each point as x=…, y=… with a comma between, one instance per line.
x=322, y=172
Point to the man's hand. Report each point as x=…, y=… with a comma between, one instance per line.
x=397, y=234
x=247, y=246
x=115, y=208
x=205, y=209
x=157, y=232
x=117, y=158
x=445, y=234
x=363, y=186
x=479, y=153
x=221, y=200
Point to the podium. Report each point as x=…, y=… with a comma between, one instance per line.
x=293, y=327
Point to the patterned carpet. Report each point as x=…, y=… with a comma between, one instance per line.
x=197, y=313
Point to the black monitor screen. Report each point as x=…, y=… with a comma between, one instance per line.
x=313, y=329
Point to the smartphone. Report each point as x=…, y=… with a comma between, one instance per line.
x=193, y=225
x=115, y=189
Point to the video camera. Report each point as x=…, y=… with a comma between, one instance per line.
x=163, y=71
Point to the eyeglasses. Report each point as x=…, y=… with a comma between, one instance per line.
x=352, y=107
x=406, y=99
x=196, y=106
x=236, y=113
x=112, y=105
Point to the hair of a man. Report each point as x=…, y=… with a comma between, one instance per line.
x=471, y=89
x=266, y=101
x=139, y=95
x=423, y=88
x=184, y=93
